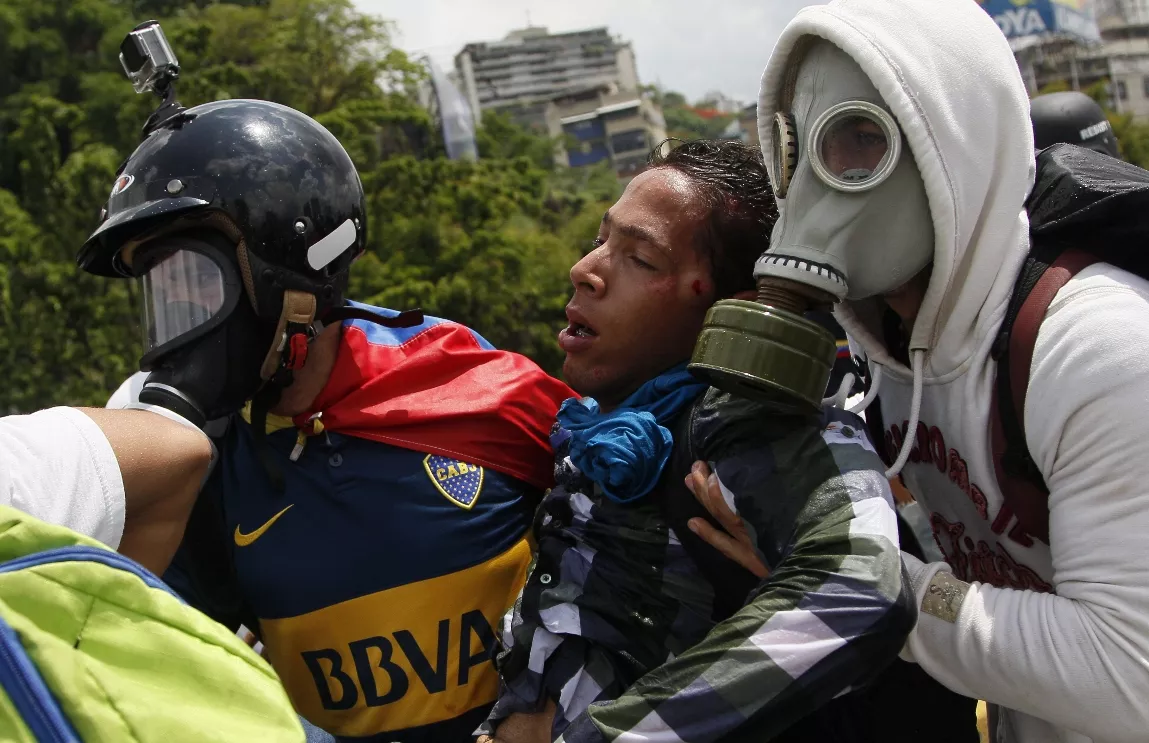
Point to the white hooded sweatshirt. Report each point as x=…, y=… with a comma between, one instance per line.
x=1058, y=634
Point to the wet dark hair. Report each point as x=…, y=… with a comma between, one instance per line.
x=731, y=179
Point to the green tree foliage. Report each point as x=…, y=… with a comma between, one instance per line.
x=487, y=243
x=500, y=138
x=62, y=334
x=463, y=240
x=686, y=121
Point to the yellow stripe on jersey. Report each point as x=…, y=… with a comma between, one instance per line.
x=408, y=656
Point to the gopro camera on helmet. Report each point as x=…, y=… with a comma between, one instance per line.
x=151, y=65
x=148, y=59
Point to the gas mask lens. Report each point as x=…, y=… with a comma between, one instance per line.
x=856, y=146
x=181, y=292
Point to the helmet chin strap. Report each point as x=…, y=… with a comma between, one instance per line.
x=287, y=354
x=292, y=335
x=263, y=402
x=297, y=328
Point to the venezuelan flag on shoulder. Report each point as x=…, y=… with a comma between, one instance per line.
x=441, y=388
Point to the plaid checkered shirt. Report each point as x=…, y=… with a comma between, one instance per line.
x=615, y=623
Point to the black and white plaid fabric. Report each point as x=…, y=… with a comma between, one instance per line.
x=615, y=622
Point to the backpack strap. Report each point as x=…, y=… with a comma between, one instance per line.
x=1022, y=485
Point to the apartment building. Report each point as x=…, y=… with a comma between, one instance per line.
x=533, y=66
x=581, y=87
x=605, y=124
x=1121, y=57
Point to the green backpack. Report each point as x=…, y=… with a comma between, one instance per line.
x=93, y=647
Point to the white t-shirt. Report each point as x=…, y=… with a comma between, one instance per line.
x=58, y=466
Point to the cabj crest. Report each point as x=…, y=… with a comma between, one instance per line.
x=460, y=482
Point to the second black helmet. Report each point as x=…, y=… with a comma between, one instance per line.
x=1073, y=118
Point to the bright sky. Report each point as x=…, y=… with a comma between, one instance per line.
x=685, y=45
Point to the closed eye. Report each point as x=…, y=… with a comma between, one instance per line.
x=642, y=264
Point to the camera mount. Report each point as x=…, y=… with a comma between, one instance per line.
x=151, y=66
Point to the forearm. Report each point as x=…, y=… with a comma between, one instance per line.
x=1075, y=664
x=162, y=464
x=151, y=538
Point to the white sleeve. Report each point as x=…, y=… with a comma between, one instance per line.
x=1078, y=658
x=58, y=466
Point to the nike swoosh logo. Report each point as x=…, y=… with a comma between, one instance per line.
x=243, y=540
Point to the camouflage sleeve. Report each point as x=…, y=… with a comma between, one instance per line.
x=832, y=613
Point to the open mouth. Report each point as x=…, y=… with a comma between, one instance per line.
x=578, y=326
x=577, y=336
x=581, y=331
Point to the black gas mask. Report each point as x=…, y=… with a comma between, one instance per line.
x=203, y=343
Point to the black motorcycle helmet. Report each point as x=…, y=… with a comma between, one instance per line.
x=286, y=185
x=242, y=219
x=1073, y=118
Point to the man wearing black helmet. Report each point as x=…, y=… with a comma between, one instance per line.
x=377, y=470
x=1074, y=118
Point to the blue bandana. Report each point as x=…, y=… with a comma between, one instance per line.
x=624, y=451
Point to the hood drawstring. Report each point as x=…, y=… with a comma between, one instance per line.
x=917, y=363
x=875, y=382
x=838, y=399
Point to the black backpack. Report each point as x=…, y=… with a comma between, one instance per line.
x=1085, y=208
